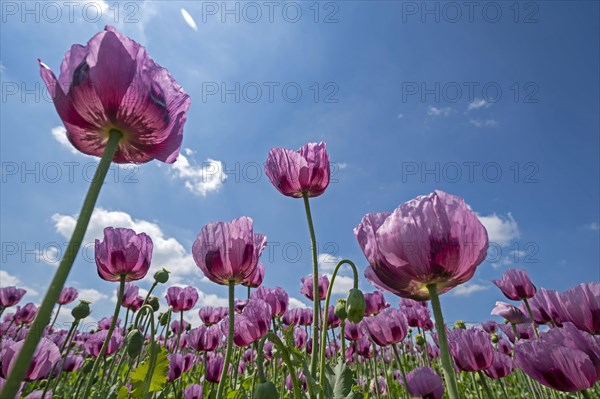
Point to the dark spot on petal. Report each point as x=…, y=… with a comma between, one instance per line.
x=80, y=74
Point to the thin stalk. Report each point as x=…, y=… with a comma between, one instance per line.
x=316, y=301
x=443, y=342
x=401, y=366
x=108, y=336
x=486, y=387
x=21, y=365
x=535, y=329
x=221, y=386
x=326, y=317
x=56, y=315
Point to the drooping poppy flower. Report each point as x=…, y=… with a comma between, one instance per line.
x=516, y=285
x=67, y=295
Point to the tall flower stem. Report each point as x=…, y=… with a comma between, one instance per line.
x=56, y=315
x=443, y=342
x=535, y=329
x=326, y=317
x=402, y=371
x=284, y=355
x=221, y=386
x=43, y=316
x=316, y=301
x=108, y=336
x=486, y=387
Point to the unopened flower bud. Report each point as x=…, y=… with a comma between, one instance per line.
x=355, y=305
x=340, y=309
x=81, y=311
x=161, y=276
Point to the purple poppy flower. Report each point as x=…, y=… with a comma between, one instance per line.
x=181, y=299
x=382, y=386
x=204, y=339
x=94, y=342
x=306, y=288
x=105, y=322
x=516, y=285
x=417, y=316
x=375, y=303
x=525, y=331
x=212, y=315
x=277, y=298
x=411, y=303
x=434, y=239
x=193, y=391
x=502, y=366
x=45, y=357
x=130, y=294
x=546, y=307
x=214, y=366
x=39, y=394
x=352, y=331
x=25, y=314
x=256, y=278
x=581, y=306
x=251, y=325
x=564, y=359
x=136, y=96
x=176, y=365
x=471, y=349
x=123, y=252
x=510, y=313
x=67, y=295
x=228, y=251
x=294, y=173
x=364, y=348
x=10, y=296
x=490, y=326
x=388, y=327
x=72, y=363
x=424, y=383
x=503, y=346
x=239, y=305
x=300, y=337
x=179, y=328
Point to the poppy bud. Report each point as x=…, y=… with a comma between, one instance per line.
x=355, y=305
x=420, y=340
x=340, y=309
x=135, y=342
x=460, y=324
x=153, y=301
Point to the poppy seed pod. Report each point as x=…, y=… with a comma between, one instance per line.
x=355, y=305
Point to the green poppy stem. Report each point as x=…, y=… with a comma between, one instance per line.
x=535, y=328
x=43, y=316
x=585, y=394
x=316, y=301
x=113, y=323
x=221, y=386
x=486, y=387
x=443, y=342
x=326, y=317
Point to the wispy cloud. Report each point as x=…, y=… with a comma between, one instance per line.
x=593, y=226
x=434, y=111
x=8, y=280
x=60, y=135
x=477, y=104
x=468, y=289
x=188, y=19
x=483, y=123
x=296, y=303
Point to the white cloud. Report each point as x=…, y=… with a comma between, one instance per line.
x=202, y=179
x=434, y=111
x=296, y=303
x=400, y=116
x=501, y=230
x=8, y=280
x=168, y=252
x=468, y=289
x=342, y=165
x=478, y=103
x=483, y=123
x=342, y=284
x=91, y=295
x=327, y=262
x=60, y=134
x=188, y=19
x=593, y=226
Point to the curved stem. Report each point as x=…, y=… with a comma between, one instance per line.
x=221, y=386
x=284, y=354
x=316, y=301
x=326, y=316
x=108, y=336
x=443, y=342
x=22, y=362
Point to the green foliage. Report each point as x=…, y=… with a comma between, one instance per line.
x=339, y=383
x=150, y=375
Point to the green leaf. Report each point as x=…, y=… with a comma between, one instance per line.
x=339, y=382
x=151, y=374
x=123, y=393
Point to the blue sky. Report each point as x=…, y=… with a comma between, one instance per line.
x=496, y=104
